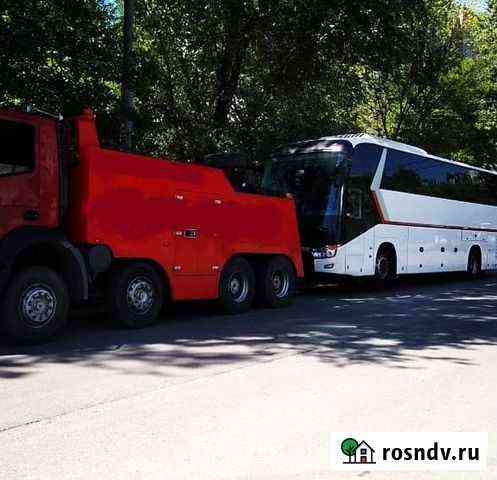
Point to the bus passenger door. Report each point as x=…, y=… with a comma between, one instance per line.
x=359, y=234
x=360, y=215
x=354, y=231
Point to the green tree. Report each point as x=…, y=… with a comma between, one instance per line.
x=404, y=86
x=249, y=75
x=349, y=447
x=462, y=125
x=58, y=55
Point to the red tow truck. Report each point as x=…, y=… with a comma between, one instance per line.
x=78, y=221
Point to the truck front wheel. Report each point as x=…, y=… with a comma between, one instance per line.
x=136, y=295
x=35, y=306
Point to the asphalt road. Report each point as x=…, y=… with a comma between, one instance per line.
x=205, y=396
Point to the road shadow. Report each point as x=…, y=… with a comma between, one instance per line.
x=353, y=324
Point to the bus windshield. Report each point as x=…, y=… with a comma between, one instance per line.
x=315, y=180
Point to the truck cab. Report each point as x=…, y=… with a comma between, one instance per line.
x=28, y=165
x=37, y=262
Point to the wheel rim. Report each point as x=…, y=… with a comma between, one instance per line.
x=382, y=267
x=238, y=287
x=140, y=295
x=281, y=283
x=38, y=305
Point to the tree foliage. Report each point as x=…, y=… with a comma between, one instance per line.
x=249, y=75
x=349, y=446
x=57, y=54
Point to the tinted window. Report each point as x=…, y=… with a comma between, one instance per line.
x=405, y=172
x=315, y=180
x=17, y=142
x=365, y=161
x=485, y=185
x=402, y=172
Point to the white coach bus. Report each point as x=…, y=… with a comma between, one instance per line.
x=374, y=207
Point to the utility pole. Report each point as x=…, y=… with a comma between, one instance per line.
x=127, y=80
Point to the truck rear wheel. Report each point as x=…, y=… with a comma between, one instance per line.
x=237, y=286
x=35, y=306
x=136, y=295
x=275, y=282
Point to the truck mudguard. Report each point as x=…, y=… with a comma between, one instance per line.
x=19, y=241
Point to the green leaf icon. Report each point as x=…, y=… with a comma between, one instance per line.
x=349, y=446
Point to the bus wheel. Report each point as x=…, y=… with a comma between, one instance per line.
x=474, y=263
x=275, y=282
x=237, y=286
x=136, y=295
x=35, y=306
x=385, y=266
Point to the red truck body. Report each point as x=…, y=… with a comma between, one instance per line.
x=67, y=228
x=142, y=207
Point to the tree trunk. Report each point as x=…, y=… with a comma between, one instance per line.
x=127, y=73
x=238, y=27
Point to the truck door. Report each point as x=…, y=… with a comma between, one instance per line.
x=197, y=235
x=210, y=239
x=19, y=174
x=186, y=233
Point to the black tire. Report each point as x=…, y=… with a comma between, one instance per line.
x=276, y=282
x=237, y=286
x=135, y=295
x=384, y=267
x=35, y=306
x=474, y=264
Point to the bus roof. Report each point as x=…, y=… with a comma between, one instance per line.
x=358, y=138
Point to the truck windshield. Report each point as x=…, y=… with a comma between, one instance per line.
x=315, y=180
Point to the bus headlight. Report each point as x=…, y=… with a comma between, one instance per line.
x=329, y=251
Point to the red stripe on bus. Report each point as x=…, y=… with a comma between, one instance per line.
x=447, y=227
x=378, y=207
